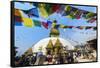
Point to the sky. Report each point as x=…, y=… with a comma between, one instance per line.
x=26, y=37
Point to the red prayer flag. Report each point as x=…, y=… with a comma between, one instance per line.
x=92, y=20
x=55, y=8
x=70, y=26
x=45, y=25
x=18, y=19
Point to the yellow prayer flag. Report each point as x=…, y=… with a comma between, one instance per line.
x=27, y=22
x=43, y=12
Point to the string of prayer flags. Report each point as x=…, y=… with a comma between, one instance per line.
x=78, y=27
x=88, y=15
x=46, y=9
x=70, y=12
x=75, y=13
x=63, y=26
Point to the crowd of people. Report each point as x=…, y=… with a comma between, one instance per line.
x=69, y=57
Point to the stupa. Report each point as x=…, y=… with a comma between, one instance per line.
x=52, y=44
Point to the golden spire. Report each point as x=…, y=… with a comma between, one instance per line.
x=58, y=43
x=50, y=44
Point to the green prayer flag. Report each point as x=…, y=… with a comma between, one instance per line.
x=37, y=23
x=89, y=15
x=48, y=8
x=67, y=8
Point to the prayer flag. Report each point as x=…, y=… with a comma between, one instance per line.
x=36, y=23
x=49, y=23
x=70, y=27
x=18, y=19
x=67, y=10
x=18, y=23
x=55, y=7
x=27, y=22
x=35, y=4
x=48, y=8
x=62, y=26
x=89, y=15
x=95, y=28
x=78, y=14
x=32, y=12
x=45, y=25
x=17, y=12
x=43, y=12
x=84, y=14
x=88, y=27
x=80, y=27
x=92, y=20
x=65, y=27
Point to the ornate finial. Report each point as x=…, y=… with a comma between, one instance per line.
x=54, y=31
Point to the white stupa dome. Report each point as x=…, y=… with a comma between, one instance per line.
x=44, y=42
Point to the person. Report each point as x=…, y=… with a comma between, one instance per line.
x=49, y=58
x=70, y=58
x=61, y=61
x=33, y=58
